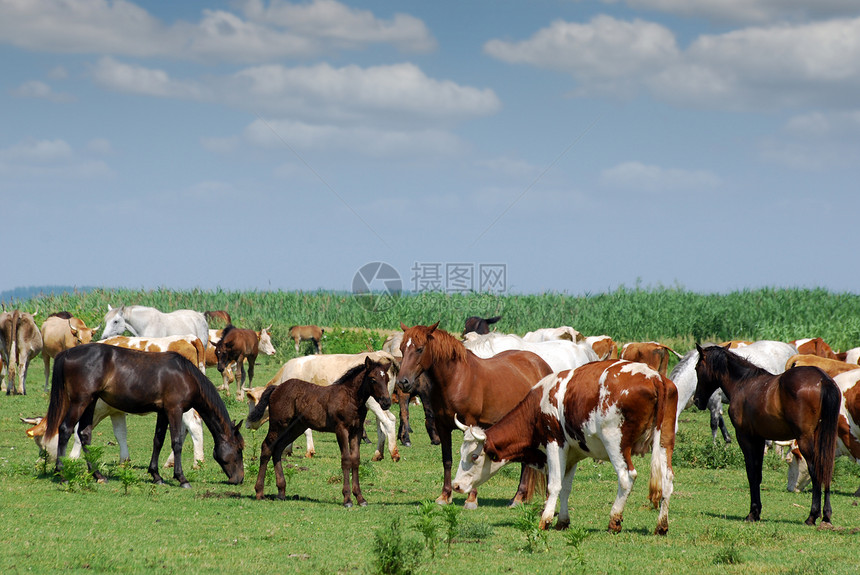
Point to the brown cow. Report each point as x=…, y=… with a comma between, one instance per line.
x=607, y=410
x=653, y=354
x=814, y=346
x=831, y=367
x=59, y=334
x=603, y=346
x=300, y=333
x=236, y=345
x=20, y=341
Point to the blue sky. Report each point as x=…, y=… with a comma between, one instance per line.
x=583, y=144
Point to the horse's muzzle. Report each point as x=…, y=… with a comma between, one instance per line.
x=406, y=384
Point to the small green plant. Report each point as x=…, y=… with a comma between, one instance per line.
x=75, y=475
x=574, y=536
x=451, y=516
x=528, y=523
x=473, y=531
x=394, y=555
x=126, y=474
x=426, y=524
x=728, y=555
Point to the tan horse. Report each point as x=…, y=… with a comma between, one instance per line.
x=300, y=333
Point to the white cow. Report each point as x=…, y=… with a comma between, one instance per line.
x=559, y=354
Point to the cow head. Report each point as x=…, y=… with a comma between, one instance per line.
x=476, y=467
x=265, y=341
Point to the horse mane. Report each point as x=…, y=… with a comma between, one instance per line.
x=350, y=374
x=209, y=393
x=724, y=360
x=446, y=346
x=227, y=329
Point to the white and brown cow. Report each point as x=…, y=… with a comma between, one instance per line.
x=603, y=346
x=814, y=346
x=653, y=354
x=20, y=341
x=59, y=334
x=606, y=410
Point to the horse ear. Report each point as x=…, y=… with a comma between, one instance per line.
x=367, y=362
x=109, y=307
x=238, y=426
x=433, y=328
x=728, y=346
x=403, y=326
x=699, y=348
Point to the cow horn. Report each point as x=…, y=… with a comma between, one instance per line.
x=459, y=425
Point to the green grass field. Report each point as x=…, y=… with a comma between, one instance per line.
x=130, y=525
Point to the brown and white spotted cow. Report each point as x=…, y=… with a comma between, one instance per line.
x=814, y=346
x=653, y=354
x=606, y=410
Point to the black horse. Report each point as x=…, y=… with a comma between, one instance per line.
x=140, y=382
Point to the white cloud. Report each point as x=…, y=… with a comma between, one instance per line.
x=141, y=80
x=122, y=28
x=290, y=136
x=748, y=10
x=40, y=90
x=603, y=54
x=767, y=67
x=815, y=141
x=637, y=176
x=49, y=158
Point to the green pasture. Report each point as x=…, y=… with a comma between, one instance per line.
x=131, y=525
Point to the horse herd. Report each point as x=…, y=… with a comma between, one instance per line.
x=544, y=404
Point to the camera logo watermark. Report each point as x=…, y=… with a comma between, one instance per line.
x=377, y=286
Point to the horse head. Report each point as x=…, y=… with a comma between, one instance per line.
x=228, y=454
x=707, y=373
x=376, y=374
x=417, y=354
x=115, y=323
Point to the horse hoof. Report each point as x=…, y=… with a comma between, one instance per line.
x=443, y=500
x=376, y=457
x=470, y=505
x=363, y=504
x=811, y=521
x=406, y=443
x=185, y=485
x=561, y=525
x=395, y=456
x=348, y=504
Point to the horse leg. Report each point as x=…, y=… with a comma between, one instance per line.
x=157, y=442
x=556, y=461
x=447, y=459
x=806, y=445
x=429, y=416
x=265, y=456
x=66, y=428
x=177, y=436
x=525, y=486
x=286, y=438
x=252, y=360
x=753, y=450
x=239, y=385
x=85, y=433
x=403, y=429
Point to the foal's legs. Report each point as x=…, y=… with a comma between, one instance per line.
x=349, y=459
x=753, y=450
x=273, y=446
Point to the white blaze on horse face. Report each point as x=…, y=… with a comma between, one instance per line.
x=409, y=343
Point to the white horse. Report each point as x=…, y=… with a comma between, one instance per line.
x=767, y=354
x=559, y=354
x=144, y=321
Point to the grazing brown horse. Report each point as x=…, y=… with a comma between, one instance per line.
x=312, y=333
x=139, y=382
x=297, y=405
x=219, y=315
x=240, y=344
x=801, y=403
x=478, y=391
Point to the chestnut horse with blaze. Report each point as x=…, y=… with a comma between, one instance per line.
x=477, y=391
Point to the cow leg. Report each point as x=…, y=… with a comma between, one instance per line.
x=252, y=360
x=564, y=497
x=192, y=420
x=120, y=431
x=623, y=464
x=753, y=450
x=556, y=462
x=240, y=362
x=157, y=443
x=309, y=437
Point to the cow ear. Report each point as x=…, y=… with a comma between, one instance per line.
x=403, y=326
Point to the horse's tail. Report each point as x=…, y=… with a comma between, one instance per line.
x=536, y=481
x=257, y=412
x=59, y=401
x=825, y=434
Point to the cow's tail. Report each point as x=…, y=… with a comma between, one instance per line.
x=825, y=434
x=256, y=413
x=58, y=403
